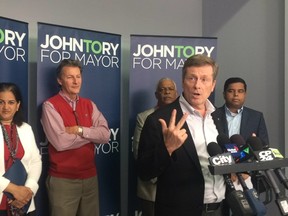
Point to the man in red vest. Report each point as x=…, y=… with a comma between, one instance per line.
x=72, y=125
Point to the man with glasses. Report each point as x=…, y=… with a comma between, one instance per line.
x=235, y=118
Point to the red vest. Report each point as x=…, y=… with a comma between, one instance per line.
x=75, y=163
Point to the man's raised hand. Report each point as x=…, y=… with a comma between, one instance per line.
x=174, y=135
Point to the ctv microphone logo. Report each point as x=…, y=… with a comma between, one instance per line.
x=223, y=159
x=265, y=155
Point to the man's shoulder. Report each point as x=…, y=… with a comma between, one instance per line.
x=251, y=111
x=53, y=97
x=87, y=100
x=219, y=110
x=167, y=110
x=143, y=115
x=147, y=112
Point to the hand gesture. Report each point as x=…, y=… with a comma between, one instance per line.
x=174, y=135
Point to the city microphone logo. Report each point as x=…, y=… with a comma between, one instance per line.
x=223, y=159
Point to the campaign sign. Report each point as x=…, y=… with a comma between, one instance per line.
x=100, y=55
x=14, y=55
x=153, y=58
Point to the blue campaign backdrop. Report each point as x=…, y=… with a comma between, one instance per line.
x=100, y=54
x=14, y=55
x=152, y=58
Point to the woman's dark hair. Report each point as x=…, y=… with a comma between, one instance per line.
x=18, y=118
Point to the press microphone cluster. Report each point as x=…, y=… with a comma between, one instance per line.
x=246, y=154
x=241, y=154
x=268, y=154
x=235, y=198
x=237, y=146
x=262, y=155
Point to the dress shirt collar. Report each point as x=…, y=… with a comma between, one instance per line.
x=69, y=100
x=229, y=113
x=208, y=105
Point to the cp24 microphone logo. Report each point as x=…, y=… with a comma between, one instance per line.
x=266, y=155
x=222, y=159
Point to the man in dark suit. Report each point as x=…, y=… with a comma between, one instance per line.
x=234, y=118
x=166, y=93
x=173, y=147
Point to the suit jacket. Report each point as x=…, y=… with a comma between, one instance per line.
x=140, y=120
x=252, y=121
x=145, y=189
x=180, y=185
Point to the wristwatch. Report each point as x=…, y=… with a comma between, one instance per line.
x=80, y=131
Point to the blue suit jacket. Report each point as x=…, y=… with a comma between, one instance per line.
x=252, y=122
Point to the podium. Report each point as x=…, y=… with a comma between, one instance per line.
x=248, y=166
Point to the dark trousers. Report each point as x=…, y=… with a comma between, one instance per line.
x=218, y=212
x=147, y=207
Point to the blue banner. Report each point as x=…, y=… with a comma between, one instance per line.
x=100, y=54
x=152, y=58
x=14, y=55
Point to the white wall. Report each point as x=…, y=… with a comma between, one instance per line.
x=251, y=45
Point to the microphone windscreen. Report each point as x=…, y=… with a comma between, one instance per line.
x=214, y=149
x=237, y=139
x=255, y=143
x=222, y=139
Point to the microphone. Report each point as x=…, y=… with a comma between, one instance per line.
x=245, y=153
x=251, y=194
x=235, y=198
x=264, y=155
x=269, y=154
x=236, y=146
x=258, y=178
x=275, y=154
x=227, y=146
x=257, y=149
x=282, y=178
